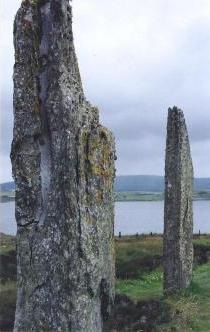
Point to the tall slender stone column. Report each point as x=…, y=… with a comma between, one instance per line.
x=63, y=167
x=178, y=223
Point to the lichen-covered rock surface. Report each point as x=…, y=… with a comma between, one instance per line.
x=63, y=166
x=178, y=223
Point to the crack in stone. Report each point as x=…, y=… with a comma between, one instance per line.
x=44, y=142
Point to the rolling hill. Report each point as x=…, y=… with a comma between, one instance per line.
x=145, y=183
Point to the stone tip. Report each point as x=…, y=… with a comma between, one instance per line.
x=175, y=114
x=175, y=109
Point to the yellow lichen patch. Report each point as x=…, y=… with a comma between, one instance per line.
x=99, y=196
x=100, y=171
x=98, y=164
x=91, y=220
x=100, y=155
x=84, y=136
x=104, y=133
x=89, y=199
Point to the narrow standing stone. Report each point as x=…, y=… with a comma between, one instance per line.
x=63, y=167
x=178, y=220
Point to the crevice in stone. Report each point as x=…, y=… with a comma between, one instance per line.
x=186, y=211
x=45, y=141
x=31, y=253
x=105, y=299
x=80, y=251
x=38, y=287
x=87, y=165
x=88, y=284
x=77, y=166
x=27, y=224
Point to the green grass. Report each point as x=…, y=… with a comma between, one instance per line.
x=146, y=287
x=129, y=196
x=203, y=240
x=132, y=196
x=141, y=280
x=134, y=255
x=7, y=305
x=189, y=311
x=202, y=291
x=7, y=244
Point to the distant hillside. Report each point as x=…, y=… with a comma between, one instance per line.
x=202, y=184
x=7, y=186
x=152, y=183
x=145, y=183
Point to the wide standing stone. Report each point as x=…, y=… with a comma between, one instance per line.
x=63, y=167
x=178, y=223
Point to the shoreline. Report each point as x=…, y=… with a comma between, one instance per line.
x=134, y=198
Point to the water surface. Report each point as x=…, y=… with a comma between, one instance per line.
x=130, y=217
x=146, y=217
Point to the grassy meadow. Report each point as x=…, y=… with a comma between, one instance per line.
x=140, y=278
x=139, y=305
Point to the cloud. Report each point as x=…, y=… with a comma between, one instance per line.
x=147, y=56
x=137, y=58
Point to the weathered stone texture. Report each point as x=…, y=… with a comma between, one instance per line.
x=63, y=166
x=178, y=223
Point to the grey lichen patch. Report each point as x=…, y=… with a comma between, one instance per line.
x=178, y=223
x=63, y=166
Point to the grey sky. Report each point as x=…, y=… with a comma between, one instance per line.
x=136, y=59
